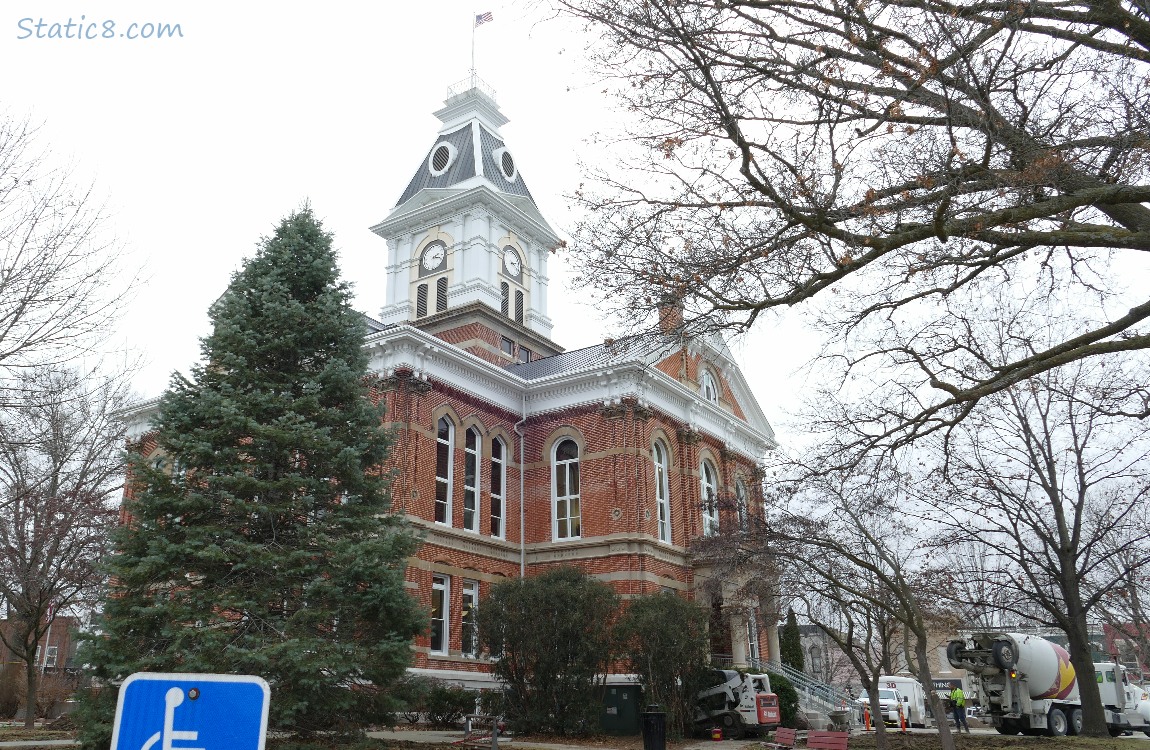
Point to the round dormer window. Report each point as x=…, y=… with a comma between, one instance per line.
x=506, y=164
x=442, y=157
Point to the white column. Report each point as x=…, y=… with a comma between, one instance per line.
x=738, y=639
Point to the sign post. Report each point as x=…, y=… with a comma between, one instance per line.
x=191, y=712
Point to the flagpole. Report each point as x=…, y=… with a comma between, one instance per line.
x=473, y=25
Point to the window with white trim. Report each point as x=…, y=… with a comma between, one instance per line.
x=50, y=655
x=708, y=387
x=662, y=490
x=444, y=461
x=471, y=450
x=468, y=624
x=709, y=494
x=440, y=605
x=565, y=489
x=752, y=636
x=741, y=503
x=498, y=486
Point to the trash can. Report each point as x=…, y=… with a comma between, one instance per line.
x=654, y=728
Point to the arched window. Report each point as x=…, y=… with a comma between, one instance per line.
x=444, y=454
x=565, y=470
x=421, y=300
x=662, y=490
x=498, y=485
x=741, y=503
x=441, y=294
x=471, y=450
x=709, y=387
x=709, y=493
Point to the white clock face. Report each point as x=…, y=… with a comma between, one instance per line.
x=511, y=260
x=432, y=257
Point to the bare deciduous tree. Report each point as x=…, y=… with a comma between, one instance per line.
x=1126, y=609
x=1047, y=480
x=890, y=160
x=60, y=283
x=844, y=545
x=61, y=450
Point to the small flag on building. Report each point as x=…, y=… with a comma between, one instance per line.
x=483, y=18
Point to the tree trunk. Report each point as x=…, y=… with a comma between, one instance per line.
x=30, y=685
x=924, y=676
x=1093, y=716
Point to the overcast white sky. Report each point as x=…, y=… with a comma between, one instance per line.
x=199, y=144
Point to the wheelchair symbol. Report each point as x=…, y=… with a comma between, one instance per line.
x=173, y=698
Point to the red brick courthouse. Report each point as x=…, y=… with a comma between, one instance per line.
x=514, y=455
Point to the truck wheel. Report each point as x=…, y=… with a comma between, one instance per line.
x=1056, y=723
x=1003, y=653
x=1075, y=726
x=952, y=652
x=733, y=726
x=1007, y=727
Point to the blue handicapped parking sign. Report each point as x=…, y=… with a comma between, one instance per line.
x=191, y=712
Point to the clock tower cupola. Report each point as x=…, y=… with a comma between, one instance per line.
x=466, y=242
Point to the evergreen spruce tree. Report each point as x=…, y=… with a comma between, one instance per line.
x=790, y=643
x=264, y=546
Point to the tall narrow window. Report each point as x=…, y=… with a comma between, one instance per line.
x=440, y=603
x=709, y=490
x=741, y=503
x=471, y=480
x=468, y=625
x=498, y=485
x=421, y=300
x=505, y=305
x=752, y=636
x=441, y=294
x=518, y=306
x=566, y=472
x=444, y=452
x=662, y=491
x=709, y=388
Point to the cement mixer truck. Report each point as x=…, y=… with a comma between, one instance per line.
x=1027, y=685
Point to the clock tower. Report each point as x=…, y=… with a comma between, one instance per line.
x=467, y=246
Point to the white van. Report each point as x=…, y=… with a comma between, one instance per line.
x=912, y=695
x=888, y=705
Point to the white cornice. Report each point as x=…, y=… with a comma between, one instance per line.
x=138, y=419
x=404, y=219
x=433, y=359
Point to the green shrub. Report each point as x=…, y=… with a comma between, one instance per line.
x=446, y=705
x=788, y=700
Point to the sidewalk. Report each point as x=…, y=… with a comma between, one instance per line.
x=432, y=737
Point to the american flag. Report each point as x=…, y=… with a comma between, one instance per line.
x=483, y=18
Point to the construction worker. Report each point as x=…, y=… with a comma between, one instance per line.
x=958, y=708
